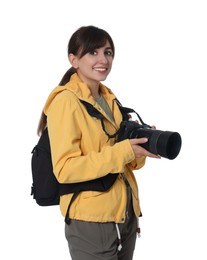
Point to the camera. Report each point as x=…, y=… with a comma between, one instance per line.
x=167, y=144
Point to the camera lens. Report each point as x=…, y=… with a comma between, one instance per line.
x=169, y=144
x=165, y=143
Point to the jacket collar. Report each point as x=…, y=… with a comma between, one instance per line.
x=82, y=91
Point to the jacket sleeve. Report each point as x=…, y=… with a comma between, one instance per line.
x=137, y=163
x=70, y=165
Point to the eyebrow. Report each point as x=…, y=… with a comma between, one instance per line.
x=108, y=48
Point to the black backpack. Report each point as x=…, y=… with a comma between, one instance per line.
x=46, y=190
x=45, y=187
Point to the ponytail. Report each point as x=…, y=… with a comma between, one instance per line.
x=42, y=124
x=66, y=78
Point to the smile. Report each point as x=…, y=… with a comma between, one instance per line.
x=100, y=69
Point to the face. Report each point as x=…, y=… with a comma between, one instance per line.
x=95, y=66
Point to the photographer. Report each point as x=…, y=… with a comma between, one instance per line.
x=103, y=225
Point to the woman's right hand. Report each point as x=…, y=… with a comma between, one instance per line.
x=139, y=151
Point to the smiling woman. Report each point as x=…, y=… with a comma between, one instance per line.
x=81, y=152
x=93, y=67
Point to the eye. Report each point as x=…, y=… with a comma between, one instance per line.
x=94, y=52
x=109, y=53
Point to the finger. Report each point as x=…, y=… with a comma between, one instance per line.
x=151, y=155
x=138, y=140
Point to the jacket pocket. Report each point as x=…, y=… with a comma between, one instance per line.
x=91, y=194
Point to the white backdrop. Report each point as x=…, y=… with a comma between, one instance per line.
x=160, y=69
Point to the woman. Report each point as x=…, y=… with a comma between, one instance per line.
x=81, y=152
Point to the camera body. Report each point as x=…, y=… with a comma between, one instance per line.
x=167, y=144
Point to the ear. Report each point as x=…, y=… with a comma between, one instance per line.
x=73, y=60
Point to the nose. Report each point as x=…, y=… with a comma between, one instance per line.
x=103, y=58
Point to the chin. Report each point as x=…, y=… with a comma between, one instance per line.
x=102, y=77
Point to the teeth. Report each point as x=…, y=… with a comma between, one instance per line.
x=99, y=69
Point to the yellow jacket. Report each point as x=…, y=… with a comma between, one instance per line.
x=81, y=151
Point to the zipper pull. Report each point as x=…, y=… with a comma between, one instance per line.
x=138, y=229
x=127, y=214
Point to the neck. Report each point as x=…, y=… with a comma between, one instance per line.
x=93, y=85
x=95, y=91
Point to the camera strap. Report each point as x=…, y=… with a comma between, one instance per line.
x=125, y=111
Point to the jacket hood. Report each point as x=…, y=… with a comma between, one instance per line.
x=80, y=89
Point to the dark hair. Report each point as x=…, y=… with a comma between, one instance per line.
x=82, y=41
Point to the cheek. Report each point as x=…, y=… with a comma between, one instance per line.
x=86, y=65
x=110, y=62
x=109, y=68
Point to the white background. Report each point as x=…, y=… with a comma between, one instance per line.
x=160, y=69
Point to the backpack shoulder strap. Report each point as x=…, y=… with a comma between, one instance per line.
x=95, y=113
x=92, y=110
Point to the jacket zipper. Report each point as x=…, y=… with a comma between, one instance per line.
x=128, y=195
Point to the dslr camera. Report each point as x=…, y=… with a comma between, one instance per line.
x=167, y=144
